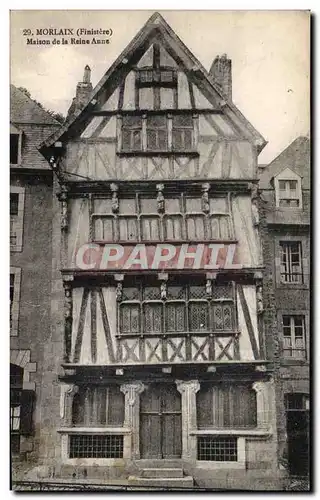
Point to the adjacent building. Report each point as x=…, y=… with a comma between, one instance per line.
x=30, y=270
x=285, y=192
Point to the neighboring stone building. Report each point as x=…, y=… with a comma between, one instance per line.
x=30, y=270
x=156, y=366
x=285, y=192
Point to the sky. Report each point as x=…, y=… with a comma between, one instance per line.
x=269, y=51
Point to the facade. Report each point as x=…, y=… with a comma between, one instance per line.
x=285, y=192
x=158, y=358
x=30, y=270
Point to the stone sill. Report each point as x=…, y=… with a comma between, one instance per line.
x=211, y=464
x=94, y=430
x=233, y=432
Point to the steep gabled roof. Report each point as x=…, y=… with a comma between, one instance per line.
x=295, y=157
x=156, y=25
x=24, y=110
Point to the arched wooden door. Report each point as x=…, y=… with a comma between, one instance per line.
x=160, y=422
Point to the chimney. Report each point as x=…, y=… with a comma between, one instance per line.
x=83, y=91
x=222, y=73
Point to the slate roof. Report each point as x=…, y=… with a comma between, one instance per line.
x=35, y=124
x=25, y=110
x=296, y=157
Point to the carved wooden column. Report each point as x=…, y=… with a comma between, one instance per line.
x=132, y=414
x=67, y=285
x=265, y=406
x=188, y=390
x=66, y=398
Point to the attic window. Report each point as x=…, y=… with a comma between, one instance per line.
x=288, y=191
x=163, y=77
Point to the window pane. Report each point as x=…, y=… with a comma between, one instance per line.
x=175, y=317
x=157, y=139
x=132, y=121
x=131, y=293
x=286, y=320
x=182, y=139
x=151, y=293
x=176, y=292
x=282, y=185
x=157, y=121
x=223, y=316
x=152, y=314
x=198, y=316
x=182, y=121
x=136, y=140
x=226, y=406
x=14, y=203
x=130, y=318
x=293, y=185
x=166, y=76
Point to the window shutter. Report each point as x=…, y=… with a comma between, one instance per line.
x=27, y=407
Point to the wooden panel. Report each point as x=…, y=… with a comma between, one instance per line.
x=201, y=101
x=78, y=233
x=147, y=58
x=183, y=91
x=129, y=92
x=166, y=59
x=166, y=98
x=249, y=248
x=112, y=103
x=146, y=98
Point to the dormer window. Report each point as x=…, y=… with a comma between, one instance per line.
x=288, y=194
x=15, y=145
x=288, y=190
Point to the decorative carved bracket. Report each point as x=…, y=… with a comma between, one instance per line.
x=163, y=277
x=205, y=198
x=160, y=198
x=63, y=198
x=115, y=201
x=68, y=306
x=119, y=279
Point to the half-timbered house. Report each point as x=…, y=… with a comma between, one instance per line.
x=157, y=365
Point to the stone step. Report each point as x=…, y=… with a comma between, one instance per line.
x=163, y=482
x=162, y=473
x=154, y=463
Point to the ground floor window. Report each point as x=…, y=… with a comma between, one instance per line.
x=95, y=446
x=98, y=406
x=221, y=449
x=226, y=406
